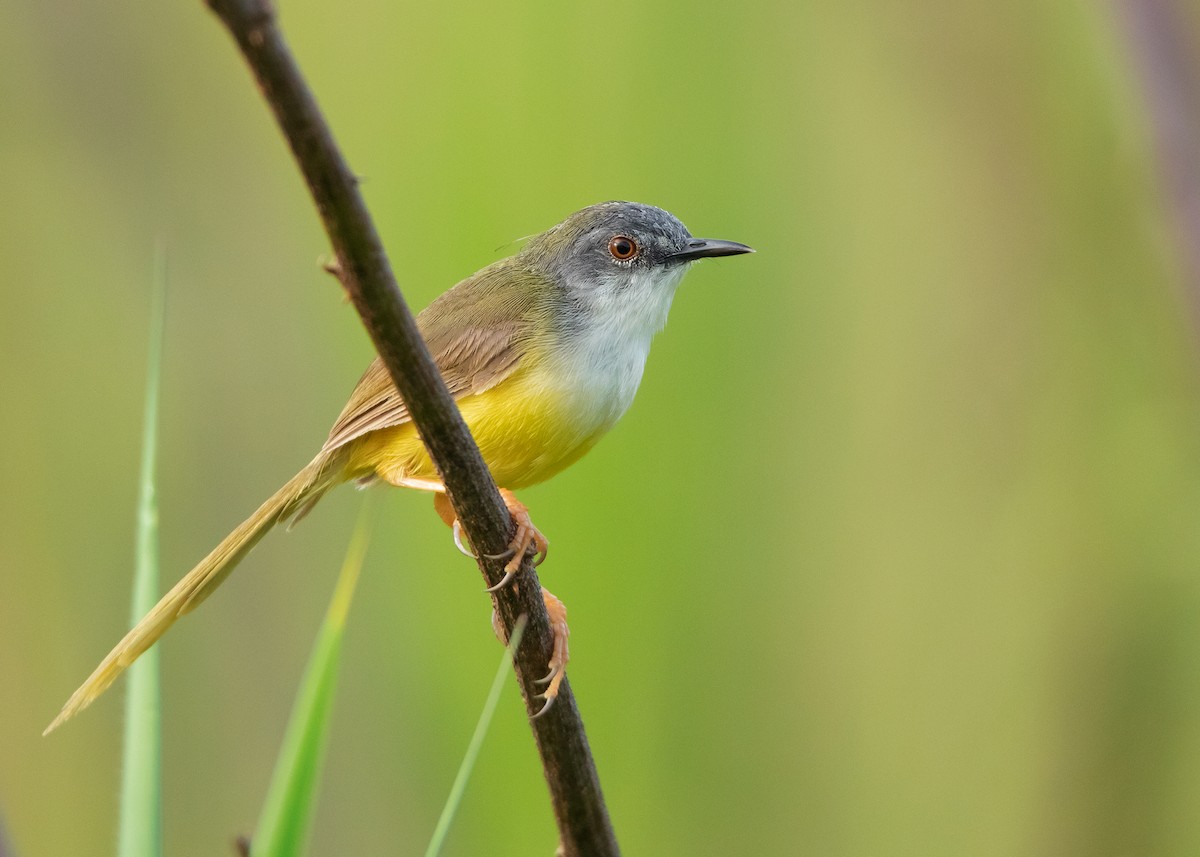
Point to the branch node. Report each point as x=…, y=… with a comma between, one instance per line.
x=331, y=266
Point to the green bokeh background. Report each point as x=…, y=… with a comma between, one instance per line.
x=896, y=553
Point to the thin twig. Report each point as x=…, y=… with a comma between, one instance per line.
x=6, y=849
x=1164, y=50
x=363, y=268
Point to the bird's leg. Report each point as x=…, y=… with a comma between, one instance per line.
x=559, y=655
x=441, y=503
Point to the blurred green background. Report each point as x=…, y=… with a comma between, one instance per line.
x=895, y=554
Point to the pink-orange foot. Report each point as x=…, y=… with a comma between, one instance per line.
x=527, y=537
x=559, y=654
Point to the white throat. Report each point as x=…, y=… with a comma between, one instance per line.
x=608, y=354
x=627, y=312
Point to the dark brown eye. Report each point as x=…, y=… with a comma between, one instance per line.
x=622, y=248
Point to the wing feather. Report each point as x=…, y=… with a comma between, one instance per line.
x=473, y=356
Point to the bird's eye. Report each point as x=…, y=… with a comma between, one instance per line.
x=622, y=248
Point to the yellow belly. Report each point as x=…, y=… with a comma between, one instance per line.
x=526, y=429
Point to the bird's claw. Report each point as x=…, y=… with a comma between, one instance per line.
x=554, y=679
x=534, y=550
x=555, y=669
x=458, y=542
x=509, y=574
x=546, y=707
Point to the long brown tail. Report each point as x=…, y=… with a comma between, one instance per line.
x=293, y=499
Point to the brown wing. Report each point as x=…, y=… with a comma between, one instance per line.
x=476, y=332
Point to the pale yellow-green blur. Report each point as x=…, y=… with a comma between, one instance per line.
x=897, y=551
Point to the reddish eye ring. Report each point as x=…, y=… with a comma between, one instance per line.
x=622, y=248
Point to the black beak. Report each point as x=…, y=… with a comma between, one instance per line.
x=703, y=248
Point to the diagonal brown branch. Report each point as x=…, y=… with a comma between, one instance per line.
x=578, y=804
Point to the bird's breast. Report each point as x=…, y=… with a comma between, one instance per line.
x=569, y=389
x=555, y=408
x=600, y=378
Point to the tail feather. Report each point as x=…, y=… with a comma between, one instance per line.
x=297, y=496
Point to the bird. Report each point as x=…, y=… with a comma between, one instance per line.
x=543, y=352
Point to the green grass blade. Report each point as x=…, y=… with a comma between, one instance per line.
x=286, y=818
x=6, y=849
x=140, y=828
x=468, y=763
